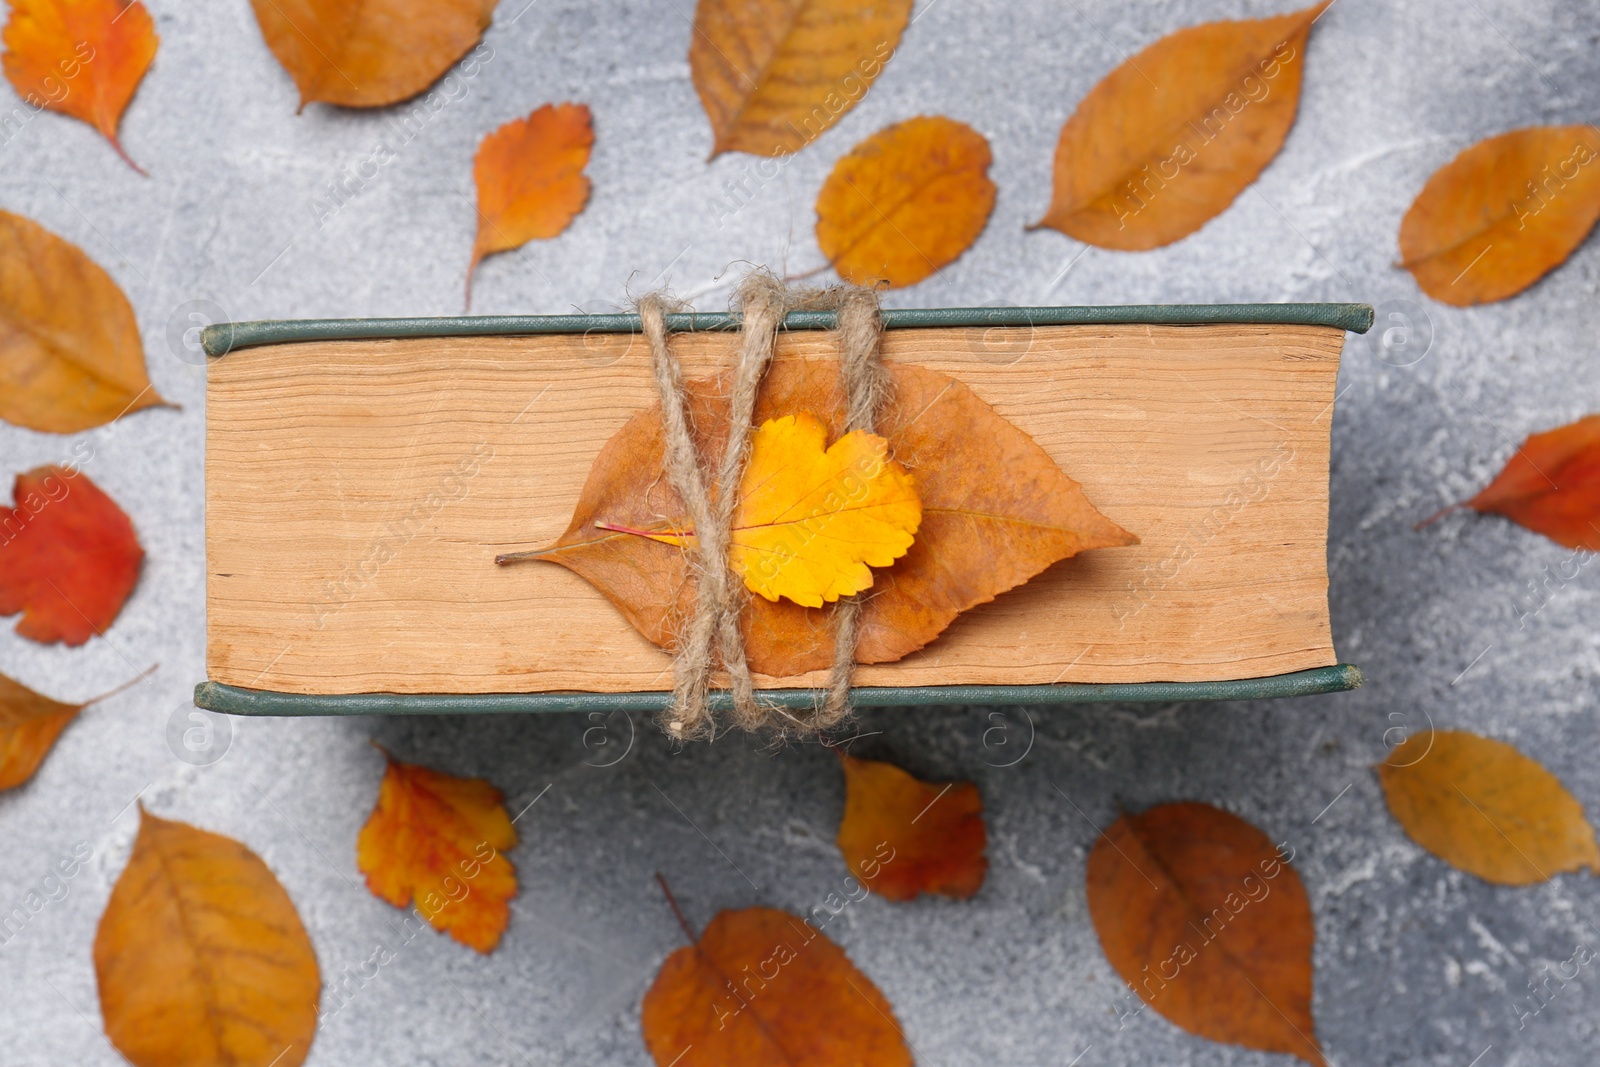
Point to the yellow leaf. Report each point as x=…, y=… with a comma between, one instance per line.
x=906, y=201
x=813, y=520
x=774, y=74
x=440, y=840
x=201, y=957
x=29, y=725
x=1482, y=806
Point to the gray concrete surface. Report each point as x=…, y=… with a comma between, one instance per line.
x=1415, y=963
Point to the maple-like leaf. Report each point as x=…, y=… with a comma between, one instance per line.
x=68, y=557
x=1167, y=140
x=83, y=58
x=996, y=510
x=764, y=988
x=373, y=53
x=1503, y=214
x=906, y=201
x=440, y=840
x=201, y=957
x=814, y=518
x=773, y=75
x=1551, y=486
x=1482, y=806
x=902, y=836
x=29, y=725
x=70, y=354
x=530, y=179
x=1208, y=923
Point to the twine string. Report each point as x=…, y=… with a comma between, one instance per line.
x=712, y=633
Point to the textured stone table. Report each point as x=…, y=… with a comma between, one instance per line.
x=1415, y=963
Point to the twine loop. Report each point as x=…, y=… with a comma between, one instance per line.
x=712, y=633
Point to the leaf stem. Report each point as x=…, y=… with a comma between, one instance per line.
x=129, y=684
x=1437, y=515
x=672, y=902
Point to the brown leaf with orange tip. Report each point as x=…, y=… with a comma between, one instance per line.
x=439, y=840
x=902, y=836
x=68, y=557
x=763, y=988
x=1208, y=923
x=1167, y=140
x=996, y=510
x=201, y=957
x=530, y=179
x=83, y=58
x=1551, y=486
x=906, y=201
x=371, y=53
x=774, y=74
x=70, y=354
x=29, y=725
x=1503, y=213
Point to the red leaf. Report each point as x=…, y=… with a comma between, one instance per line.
x=68, y=557
x=1551, y=486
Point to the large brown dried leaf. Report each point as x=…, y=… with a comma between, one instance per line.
x=906, y=201
x=1482, y=806
x=1503, y=213
x=201, y=956
x=763, y=988
x=1199, y=912
x=1167, y=140
x=70, y=354
x=369, y=53
x=774, y=74
x=996, y=510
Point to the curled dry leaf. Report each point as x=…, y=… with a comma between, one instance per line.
x=1551, y=486
x=29, y=725
x=763, y=988
x=902, y=836
x=70, y=354
x=906, y=201
x=440, y=840
x=372, y=53
x=68, y=557
x=1205, y=919
x=201, y=956
x=83, y=58
x=996, y=510
x=1503, y=213
x=1482, y=806
x=814, y=518
x=774, y=74
x=530, y=179
x=1167, y=140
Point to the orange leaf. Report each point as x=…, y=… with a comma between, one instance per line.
x=1199, y=912
x=1503, y=213
x=902, y=836
x=774, y=74
x=372, y=53
x=530, y=179
x=201, y=957
x=1482, y=806
x=70, y=354
x=83, y=58
x=996, y=510
x=68, y=557
x=763, y=988
x=439, y=839
x=29, y=725
x=1551, y=486
x=906, y=201
x=1167, y=140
